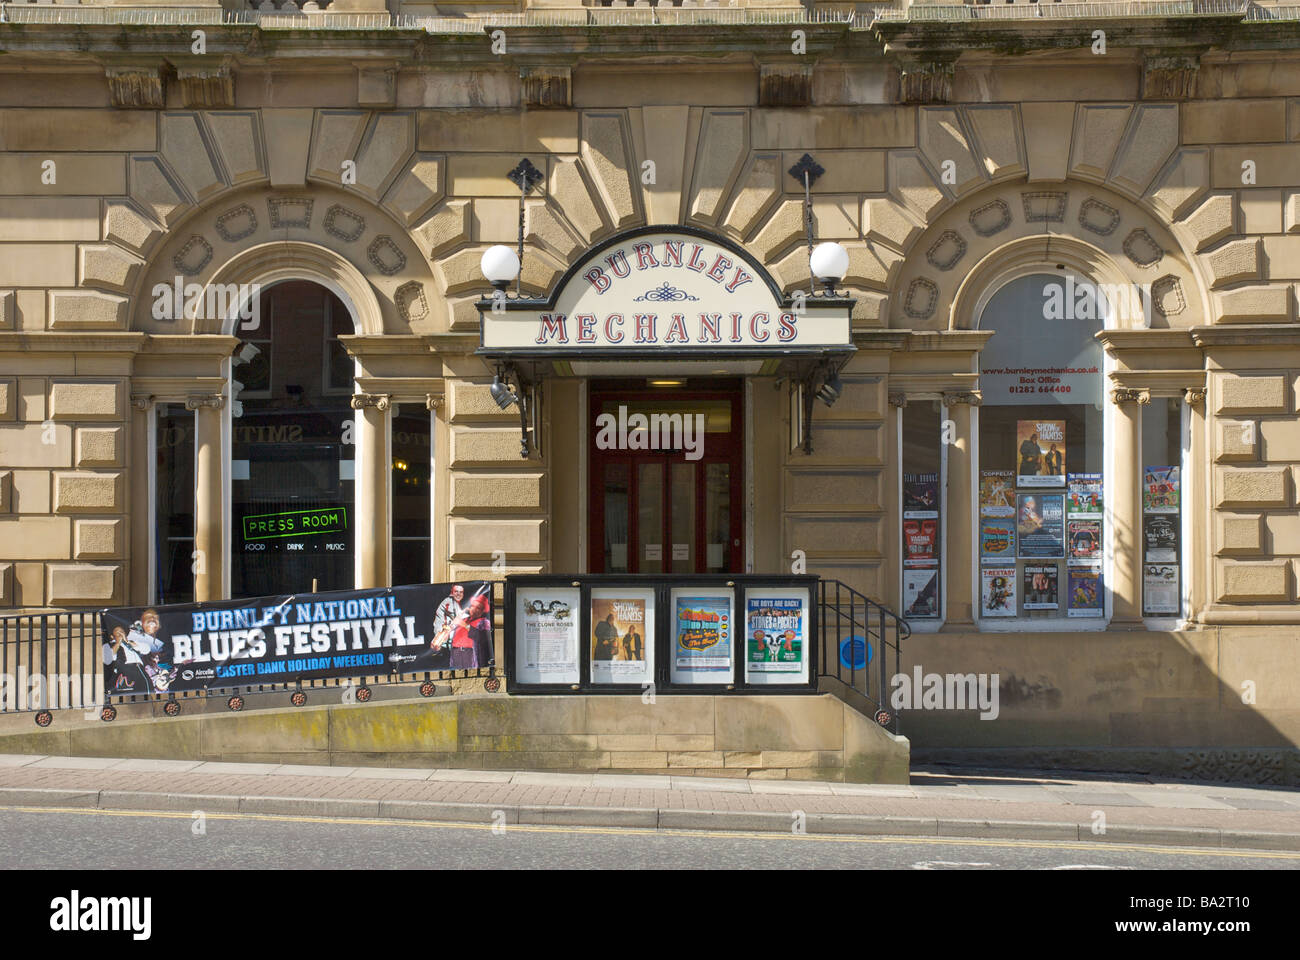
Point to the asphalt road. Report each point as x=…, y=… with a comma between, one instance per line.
x=36, y=838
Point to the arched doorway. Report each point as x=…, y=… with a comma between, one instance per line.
x=292, y=446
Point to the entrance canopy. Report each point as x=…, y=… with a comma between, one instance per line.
x=670, y=296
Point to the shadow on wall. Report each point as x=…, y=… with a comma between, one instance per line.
x=1205, y=705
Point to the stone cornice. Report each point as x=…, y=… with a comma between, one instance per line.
x=1146, y=339
x=1246, y=335
x=386, y=344
x=1160, y=383
x=970, y=341
x=1165, y=47
x=48, y=341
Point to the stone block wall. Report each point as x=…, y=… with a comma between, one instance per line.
x=63, y=509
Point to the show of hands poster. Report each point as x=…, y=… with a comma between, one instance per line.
x=622, y=635
x=998, y=592
x=703, y=624
x=546, y=634
x=1160, y=490
x=1041, y=582
x=283, y=639
x=776, y=635
x=1040, y=453
x=1084, y=592
x=1084, y=495
x=1040, y=526
x=997, y=493
x=997, y=540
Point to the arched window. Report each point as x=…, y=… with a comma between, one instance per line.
x=1040, y=528
x=292, y=478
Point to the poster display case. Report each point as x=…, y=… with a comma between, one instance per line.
x=619, y=633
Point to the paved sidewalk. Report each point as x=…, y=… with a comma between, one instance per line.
x=1031, y=806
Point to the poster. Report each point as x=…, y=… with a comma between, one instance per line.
x=1040, y=525
x=921, y=592
x=997, y=540
x=1041, y=581
x=1160, y=490
x=1040, y=453
x=1160, y=592
x=1084, y=495
x=284, y=639
x=1160, y=536
x=702, y=629
x=774, y=634
x=998, y=592
x=1084, y=539
x=920, y=495
x=920, y=542
x=622, y=635
x=546, y=634
x=1084, y=593
x=997, y=493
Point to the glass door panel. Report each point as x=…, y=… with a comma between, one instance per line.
x=617, y=495
x=650, y=518
x=682, y=518
x=717, y=517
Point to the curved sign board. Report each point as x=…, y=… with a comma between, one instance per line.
x=653, y=290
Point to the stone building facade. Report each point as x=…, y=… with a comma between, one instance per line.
x=370, y=158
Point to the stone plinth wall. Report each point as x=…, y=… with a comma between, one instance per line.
x=770, y=737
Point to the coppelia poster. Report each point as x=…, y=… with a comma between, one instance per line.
x=998, y=592
x=1160, y=593
x=1084, y=495
x=1040, y=453
x=546, y=634
x=920, y=495
x=1041, y=581
x=774, y=634
x=622, y=633
x=1040, y=524
x=1084, y=592
x=997, y=493
x=1160, y=536
x=920, y=542
x=1084, y=539
x=997, y=540
x=283, y=639
x=1160, y=490
x=921, y=592
x=702, y=628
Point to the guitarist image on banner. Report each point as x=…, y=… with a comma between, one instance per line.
x=452, y=625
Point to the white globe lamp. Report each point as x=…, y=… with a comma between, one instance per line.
x=829, y=262
x=500, y=265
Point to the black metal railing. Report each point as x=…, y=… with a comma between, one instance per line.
x=858, y=636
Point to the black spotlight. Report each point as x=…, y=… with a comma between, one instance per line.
x=830, y=390
x=501, y=393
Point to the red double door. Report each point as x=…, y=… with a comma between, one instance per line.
x=667, y=478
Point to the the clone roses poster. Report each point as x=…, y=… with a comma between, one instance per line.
x=1040, y=453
